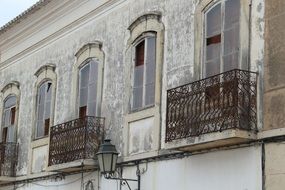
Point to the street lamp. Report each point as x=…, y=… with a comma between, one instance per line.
x=107, y=158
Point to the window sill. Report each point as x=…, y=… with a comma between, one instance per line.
x=40, y=141
x=141, y=109
x=211, y=140
x=142, y=113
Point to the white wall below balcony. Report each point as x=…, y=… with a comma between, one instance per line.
x=236, y=169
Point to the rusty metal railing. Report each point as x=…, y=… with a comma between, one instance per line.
x=75, y=140
x=217, y=103
x=8, y=159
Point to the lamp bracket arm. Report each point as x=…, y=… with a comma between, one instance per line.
x=119, y=178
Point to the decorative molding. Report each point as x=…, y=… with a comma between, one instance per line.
x=151, y=15
x=40, y=4
x=45, y=68
x=11, y=85
x=89, y=46
x=61, y=32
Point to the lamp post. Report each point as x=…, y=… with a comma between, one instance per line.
x=107, y=158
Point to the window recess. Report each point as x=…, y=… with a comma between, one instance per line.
x=143, y=91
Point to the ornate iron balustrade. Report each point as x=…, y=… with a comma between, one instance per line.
x=75, y=140
x=8, y=159
x=221, y=102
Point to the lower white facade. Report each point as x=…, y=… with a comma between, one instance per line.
x=234, y=169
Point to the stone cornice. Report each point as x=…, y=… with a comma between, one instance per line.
x=59, y=33
x=24, y=15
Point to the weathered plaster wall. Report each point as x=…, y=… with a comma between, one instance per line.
x=110, y=28
x=274, y=67
x=274, y=166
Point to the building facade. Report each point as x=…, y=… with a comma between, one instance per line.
x=189, y=91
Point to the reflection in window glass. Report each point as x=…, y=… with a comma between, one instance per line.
x=8, y=121
x=222, y=37
x=88, y=79
x=143, y=91
x=43, y=109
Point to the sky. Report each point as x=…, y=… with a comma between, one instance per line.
x=9, y=9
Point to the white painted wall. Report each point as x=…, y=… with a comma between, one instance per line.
x=237, y=169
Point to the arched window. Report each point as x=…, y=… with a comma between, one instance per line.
x=88, y=80
x=9, y=117
x=44, y=95
x=45, y=88
x=87, y=95
x=222, y=37
x=143, y=91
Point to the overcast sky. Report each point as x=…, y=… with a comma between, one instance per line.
x=9, y=9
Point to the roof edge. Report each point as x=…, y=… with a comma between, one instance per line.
x=23, y=15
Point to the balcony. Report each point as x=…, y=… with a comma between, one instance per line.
x=215, y=111
x=8, y=161
x=73, y=144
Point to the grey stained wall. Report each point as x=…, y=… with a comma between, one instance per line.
x=110, y=28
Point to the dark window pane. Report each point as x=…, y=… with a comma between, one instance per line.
x=82, y=111
x=49, y=92
x=46, y=127
x=214, y=39
x=13, y=115
x=140, y=54
x=4, y=134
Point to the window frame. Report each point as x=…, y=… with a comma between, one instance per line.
x=11, y=89
x=82, y=66
x=199, y=33
x=222, y=36
x=13, y=125
x=88, y=52
x=149, y=22
x=46, y=81
x=141, y=38
x=44, y=74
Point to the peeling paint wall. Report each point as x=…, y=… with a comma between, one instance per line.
x=58, y=46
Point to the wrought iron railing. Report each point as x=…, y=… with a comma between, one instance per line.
x=75, y=140
x=221, y=102
x=8, y=159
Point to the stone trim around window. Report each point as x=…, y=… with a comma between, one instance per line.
x=199, y=25
x=12, y=88
x=141, y=26
x=43, y=74
x=89, y=52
